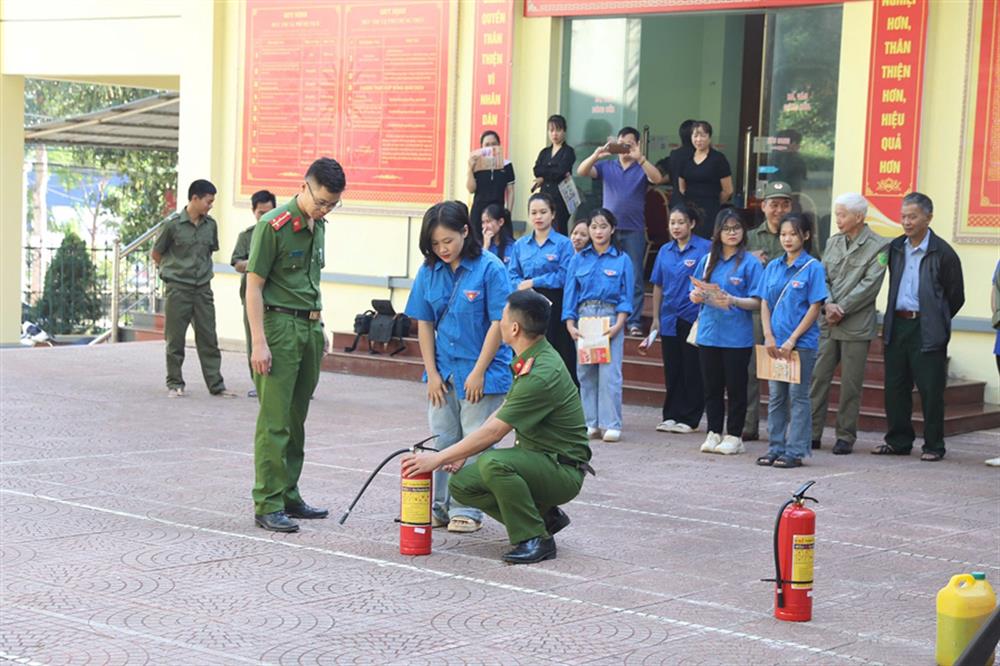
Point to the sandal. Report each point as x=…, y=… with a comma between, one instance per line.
x=464, y=525
x=784, y=462
x=932, y=456
x=768, y=460
x=887, y=450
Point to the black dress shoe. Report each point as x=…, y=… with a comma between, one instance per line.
x=276, y=521
x=531, y=551
x=817, y=444
x=555, y=519
x=305, y=512
x=842, y=448
x=750, y=436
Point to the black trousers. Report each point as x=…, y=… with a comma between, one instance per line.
x=906, y=365
x=685, y=401
x=557, y=335
x=724, y=371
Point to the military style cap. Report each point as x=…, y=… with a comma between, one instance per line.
x=776, y=189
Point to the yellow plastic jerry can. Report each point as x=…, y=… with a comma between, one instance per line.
x=963, y=605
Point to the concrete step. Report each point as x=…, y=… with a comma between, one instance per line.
x=139, y=334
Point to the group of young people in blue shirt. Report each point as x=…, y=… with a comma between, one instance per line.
x=459, y=294
x=703, y=367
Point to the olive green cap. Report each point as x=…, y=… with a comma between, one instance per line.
x=777, y=189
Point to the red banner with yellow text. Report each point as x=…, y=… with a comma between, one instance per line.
x=624, y=7
x=491, y=70
x=984, y=192
x=895, y=85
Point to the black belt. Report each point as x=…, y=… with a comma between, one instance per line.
x=311, y=315
x=582, y=466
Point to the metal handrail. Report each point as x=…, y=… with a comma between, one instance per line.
x=121, y=253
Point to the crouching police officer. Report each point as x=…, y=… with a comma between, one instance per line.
x=283, y=308
x=522, y=487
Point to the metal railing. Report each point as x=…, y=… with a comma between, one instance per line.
x=65, y=296
x=145, y=283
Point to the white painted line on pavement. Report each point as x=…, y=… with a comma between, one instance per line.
x=27, y=661
x=117, y=454
x=771, y=642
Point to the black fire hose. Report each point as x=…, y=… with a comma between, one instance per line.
x=419, y=446
x=797, y=498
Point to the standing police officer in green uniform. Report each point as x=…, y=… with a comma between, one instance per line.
x=523, y=486
x=261, y=202
x=284, y=308
x=183, y=253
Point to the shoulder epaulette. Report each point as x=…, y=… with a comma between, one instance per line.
x=280, y=220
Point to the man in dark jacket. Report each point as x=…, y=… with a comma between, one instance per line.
x=925, y=292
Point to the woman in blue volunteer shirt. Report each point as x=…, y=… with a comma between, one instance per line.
x=498, y=232
x=457, y=300
x=675, y=264
x=538, y=261
x=725, y=329
x=580, y=236
x=599, y=284
x=792, y=292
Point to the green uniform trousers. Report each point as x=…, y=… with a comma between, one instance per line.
x=249, y=339
x=906, y=365
x=752, y=422
x=296, y=352
x=515, y=487
x=185, y=305
x=851, y=355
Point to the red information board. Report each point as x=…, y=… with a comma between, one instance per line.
x=984, y=192
x=363, y=82
x=491, y=69
x=625, y=7
x=895, y=86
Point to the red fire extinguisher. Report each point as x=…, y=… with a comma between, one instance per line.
x=794, y=547
x=416, y=497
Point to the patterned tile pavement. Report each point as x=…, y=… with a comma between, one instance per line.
x=127, y=538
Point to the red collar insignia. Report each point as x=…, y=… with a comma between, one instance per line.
x=280, y=220
x=523, y=367
x=297, y=225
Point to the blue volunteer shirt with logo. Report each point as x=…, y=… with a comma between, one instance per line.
x=806, y=280
x=731, y=328
x=462, y=305
x=503, y=255
x=545, y=264
x=598, y=277
x=671, y=272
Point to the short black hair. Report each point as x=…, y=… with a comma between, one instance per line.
x=793, y=136
x=921, y=200
x=802, y=227
x=557, y=121
x=452, y=215
x=531, y=310
x=200, y=188
x=482, y=137
x=630, y=130
x=702, y=125
x=262, y=196
x=328, y=173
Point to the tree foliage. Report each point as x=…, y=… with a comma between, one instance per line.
x=71, y=300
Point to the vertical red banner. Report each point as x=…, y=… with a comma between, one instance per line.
x=895, y=86
x=984, y=191
x=491, y=71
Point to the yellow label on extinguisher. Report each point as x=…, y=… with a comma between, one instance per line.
x=415, y=506
x=803, y=546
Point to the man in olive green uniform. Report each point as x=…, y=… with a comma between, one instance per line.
x=284, y=307
x=523, y=486
x=855, y=261
x=183, y=253
x=261, y=202
x=764, y=242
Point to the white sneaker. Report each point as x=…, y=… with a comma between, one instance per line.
x=612, y=435
x=682, y=429
x=593, y=433
x=666, y=426
x=730, y=446
x=712, y=441
x=993, y=462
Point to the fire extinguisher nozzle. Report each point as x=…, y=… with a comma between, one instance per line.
x=343, y=518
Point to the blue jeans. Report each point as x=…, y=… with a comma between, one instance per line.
x=634, y=245
x=456, y=419
x=791, y=439
x=601, y=383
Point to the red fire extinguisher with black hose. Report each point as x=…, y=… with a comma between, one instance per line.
x=416, y=497
x=794, y=548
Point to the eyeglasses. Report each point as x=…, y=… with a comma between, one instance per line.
x=729, y=229
x=323, y=205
